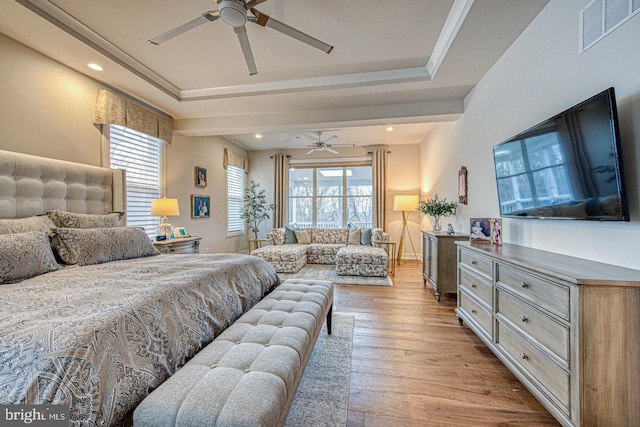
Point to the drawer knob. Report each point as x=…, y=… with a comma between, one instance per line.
x=524, y=356
x=473, y=285
x=523, y=285
x=473, y=312
x=523, y=318
x=474, y=262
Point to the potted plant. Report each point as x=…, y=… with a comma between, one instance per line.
x=255, y=208
x=437, y=207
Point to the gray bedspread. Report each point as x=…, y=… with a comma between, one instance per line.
x=100, y=337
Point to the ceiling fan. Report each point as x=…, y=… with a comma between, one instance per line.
x=324, y=145
x=234, y=13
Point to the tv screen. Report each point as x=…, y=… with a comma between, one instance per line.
x=567, y=167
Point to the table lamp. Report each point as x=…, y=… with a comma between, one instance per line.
x=405, y=203
x=165, y=207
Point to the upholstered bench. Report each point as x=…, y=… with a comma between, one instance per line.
x=284, y=258
x=362, y=261
x=248, y=376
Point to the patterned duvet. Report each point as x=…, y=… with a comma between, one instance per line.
x=100, y=337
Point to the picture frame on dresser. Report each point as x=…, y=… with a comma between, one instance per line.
x=180, y=232
x=480, y=230
x=200, y=206
x=496, y=231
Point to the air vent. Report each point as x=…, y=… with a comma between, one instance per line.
x=601, y=17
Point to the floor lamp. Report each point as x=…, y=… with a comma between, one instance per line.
x=406, y=204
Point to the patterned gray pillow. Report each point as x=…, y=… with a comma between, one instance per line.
x=24, y=225
x=25, y=255
x=64, y=219
x=85, y=246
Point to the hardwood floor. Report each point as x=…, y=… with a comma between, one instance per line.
x=414, y=365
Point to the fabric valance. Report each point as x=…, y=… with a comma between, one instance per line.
x=232, y=158
x=112, y=109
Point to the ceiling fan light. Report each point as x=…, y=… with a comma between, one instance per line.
x=233, y=13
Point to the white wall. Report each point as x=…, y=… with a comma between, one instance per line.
x=539, y=76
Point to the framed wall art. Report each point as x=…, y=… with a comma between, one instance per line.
x=480, y=230
x=200, y=206
x=462, y=185
x=200, y=177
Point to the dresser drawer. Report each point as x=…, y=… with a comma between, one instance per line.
x=549, y=295
x=481, y=316
x=476, y=286
x=554, y=380
x=548, y=332
x=483, y=265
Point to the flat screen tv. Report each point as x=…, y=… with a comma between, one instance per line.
x=567, y=167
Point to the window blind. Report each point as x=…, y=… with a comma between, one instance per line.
x=140, y=156
x=235, y=190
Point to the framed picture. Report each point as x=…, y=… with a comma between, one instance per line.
x=201, y=177
x=179, y=232
x=462, y=185
x=496, y=231
x=200, y=206
x=480, y=230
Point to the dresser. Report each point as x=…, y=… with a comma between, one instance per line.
x=179, y=245
x=568, y=328
x=439, y=261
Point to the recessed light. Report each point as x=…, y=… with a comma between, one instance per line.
x=95, y=67
x=258, y=136
x=390, y=129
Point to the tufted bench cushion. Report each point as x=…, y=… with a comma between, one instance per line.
x=248, y=376
x=362, y=261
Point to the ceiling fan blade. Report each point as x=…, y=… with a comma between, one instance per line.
x=212, y=15
x=311, y=151
x=331, y=138
x=241, y=32
x=343, y=145
x=331, y=150
x=265, y=20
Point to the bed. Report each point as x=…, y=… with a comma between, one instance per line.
x=101, y=333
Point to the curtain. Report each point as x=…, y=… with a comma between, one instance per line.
x=231, y=158
x=280, y=190
x=379, y=187
x=112, y=109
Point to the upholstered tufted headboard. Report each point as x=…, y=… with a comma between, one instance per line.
x=31, y=185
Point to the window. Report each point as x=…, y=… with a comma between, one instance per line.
x=140, y=155
x=331, y=197
x=235, y=190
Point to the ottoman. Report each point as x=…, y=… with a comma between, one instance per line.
x=361, y=260
x=283, y=258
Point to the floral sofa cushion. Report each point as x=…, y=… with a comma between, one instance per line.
x=338, y=235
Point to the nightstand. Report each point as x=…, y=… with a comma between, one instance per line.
x=179, y=245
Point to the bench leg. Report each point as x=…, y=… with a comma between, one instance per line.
x=329, y=319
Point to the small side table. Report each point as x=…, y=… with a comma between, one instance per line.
x=392, y=246
x=179, y=245
x=256, y=244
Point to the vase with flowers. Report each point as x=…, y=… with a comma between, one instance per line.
x=437, y=208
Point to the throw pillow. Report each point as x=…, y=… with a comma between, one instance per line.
x=302, y=236
x=278, y=236
x=354, y=236
x=24, y=225
x=64, y=219
x=85, y=246
x=365, y=237
x=289, y=235
x=25, y=255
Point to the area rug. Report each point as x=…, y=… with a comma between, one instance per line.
x=323, y=395
x=328, y=272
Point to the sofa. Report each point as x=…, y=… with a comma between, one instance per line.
x=354, y=251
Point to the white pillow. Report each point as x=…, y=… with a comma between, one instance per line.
x=354, y=236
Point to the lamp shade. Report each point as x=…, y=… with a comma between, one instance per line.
x=165, y=207
x=405, y=202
